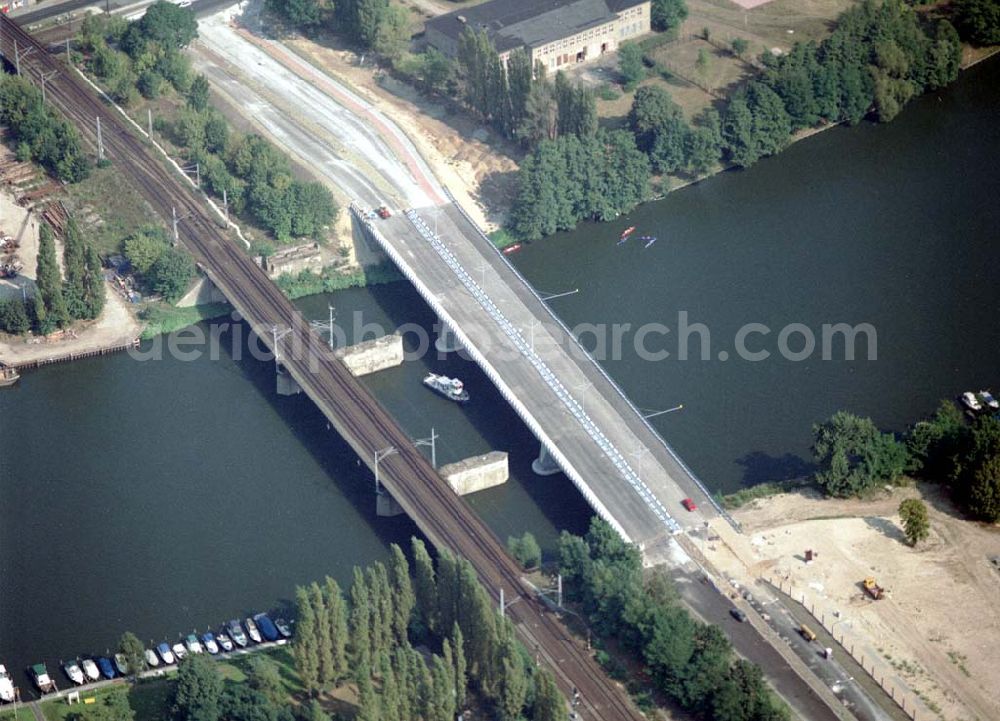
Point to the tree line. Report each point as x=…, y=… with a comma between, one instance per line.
x=367, y=635
x=38, y=134
x=160, y=267
x=690, y=662
x=57, y=302
x=854, y=457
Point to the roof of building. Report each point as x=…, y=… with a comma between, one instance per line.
x=516, y=23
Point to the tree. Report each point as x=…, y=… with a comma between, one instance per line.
x=368, y=703
x=14, y=316
x=393, y=33
x=197, y=95
x=403, y=596
x=525, y=550
x=916, y=525
x=94, y=290
x=978, y=20
x=171, y=274
x=264, y=675
x=297, y=13
x=337, y=617
x=703, y=64
x=134, y=652
x=854, y=457
x=315, y=712
x=630, y=65
x=740, y=46
x=360, y=621
x=513, y=684
x=984, y=491
x=305, y=647
x=461, y=670
x=976, y=474
x=436, y=69
x=934, y=443
x=324, y=645
x=667, y=14
x=168, y=25
x=549, y=702
x=424, y=585
x=144, y=247
x=199, y=689
x=49, y=281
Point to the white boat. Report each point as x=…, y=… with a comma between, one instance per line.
x=179, y=651
x=989, y=400
x=451, y=388
x=7, y=691
x=90, y=669
x=225, y=643
x=73, y=672
x=252, y=631
x=970, y=400
x=121, y=665
x=208, y=641
x=193, y=645
x=152, y=660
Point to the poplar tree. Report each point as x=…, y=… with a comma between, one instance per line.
x=386, y=602
x=333, y=597
x=49, y=282
x=390, y=688
x=94, y=291
x=324, y=642
x=368, y=701
x=549, y=703
x=404, y=682
x=443, y=691
x=75, y=263
x=447, y=588
x=360, y=621
x=424, y=585
x=461, y=673
x=513, y=683
x=403, y=596
x=376, y=622
x=305, y=647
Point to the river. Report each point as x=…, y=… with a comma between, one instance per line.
x=166, y=496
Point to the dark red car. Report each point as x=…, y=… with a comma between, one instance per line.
x=689, y=504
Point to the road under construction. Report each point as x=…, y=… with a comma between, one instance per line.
x=439, y=513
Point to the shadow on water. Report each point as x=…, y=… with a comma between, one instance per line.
x=761, y=467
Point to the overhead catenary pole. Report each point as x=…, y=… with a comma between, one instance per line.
x=225, y=204
x=100, y=149
x=149, y=121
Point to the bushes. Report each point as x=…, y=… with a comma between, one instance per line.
x=525, y=550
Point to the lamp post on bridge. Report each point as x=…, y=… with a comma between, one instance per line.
x=327, y=326
x=432, y=442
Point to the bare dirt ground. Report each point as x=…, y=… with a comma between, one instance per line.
x=938, y=628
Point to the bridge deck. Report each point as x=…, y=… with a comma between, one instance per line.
x=621, y=465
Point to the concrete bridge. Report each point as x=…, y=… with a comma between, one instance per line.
x=586, y=427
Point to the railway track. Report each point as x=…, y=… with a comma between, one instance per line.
x=353, y=411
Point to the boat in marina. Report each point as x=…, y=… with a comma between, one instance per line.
x=988, y=399
x=107, y=669
x=208, y=641
x=267, y=627
x=225, y=643
x=166, y=654
x=252, y=631
x=90, y=669
x=8, y=376
x=236, y=633
x=192, y=644
x=283, y=628
x=8, y=693
x=971, y=402
x=121, y=665
x=73, y=672
x=152, y=660
x=451, y=388
x=40, y=675
x=180, y=653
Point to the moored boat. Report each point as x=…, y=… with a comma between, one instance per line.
x=283, y=628
x=627, y=232
x=225, y=643
x=513, y=248
x=180, y=653
x=8, y=376
x=989, y=400
x=152, y=660
x=166, y=654
x=208, y=641
x=971, y=402
x=107, y=669
x=451, y=388
x=267, y=627
x=7, y=691
x=121, y=665
x=40, y=675
x=252, y=631
x=235, y=632
x=73, y=672
x=192, y=644
x=90, y=669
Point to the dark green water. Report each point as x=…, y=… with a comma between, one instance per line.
x=166, y=496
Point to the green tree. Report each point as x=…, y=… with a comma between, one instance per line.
x=197, y=95
x=14, y=316
x=298, y=13
x=549, y=702
x=916, y=524
x=703, y=64
x=315, y=712
x=199, y=689
x=854, y=457
x=513, y=684
x=934, y=443
x=171, y=274
x=337, y=617
x=94, y=290
x=525, y=550
x=978, y=20
x=704, y=143
x=393, y=34
x=166, y=24
x=305, y=647
x=360, y=621
x=740, y=47
x=461, y=667
x=976, y=474
x=324, y=645
x=667, y=14
x=264, y=676
x=443, y=690
x=49, y=281
x=134, y=652
x=369, y=708
x=436, y=69
x=144, y=247
x=403, y=596
x=424, y=586
x=630, y=65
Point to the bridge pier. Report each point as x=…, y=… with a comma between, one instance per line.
x=386, y=506
x=447, y=341
x=545, y=464
x=285, y=385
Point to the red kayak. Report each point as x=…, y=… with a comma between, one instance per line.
x=511, y=249
x=628, y=231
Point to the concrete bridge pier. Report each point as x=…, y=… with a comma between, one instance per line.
x=447, y=341
x=545, y=464
x=285, y=384
x=385, y=505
